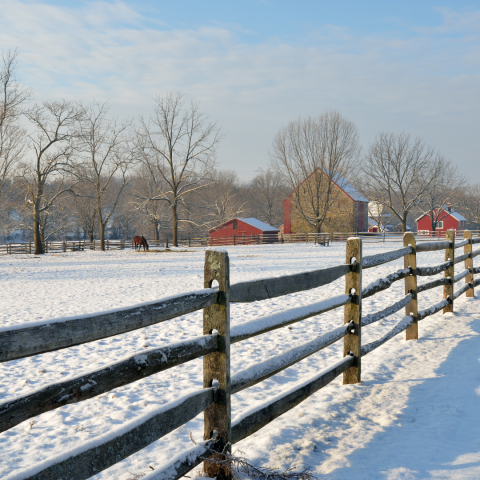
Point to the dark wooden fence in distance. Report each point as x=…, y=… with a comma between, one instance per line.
x=214, y=346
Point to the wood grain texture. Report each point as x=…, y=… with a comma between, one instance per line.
x=450, y=272
x=410, y=261
x=398, y=328
x=433, y=309
x=263, y=370
x=352, y=343
x=262, y=416
x=461, y=258
x=24, y=342
x=282, y=320
x=254, y=291
x=429, y=271
x=131, y=369
x=110, y=451
x=390, y=310
x=467, y=249
x=216, y=365
x=381, y=258
x=384, y=283
x=433, y=284
x=462, y=290
x=432, y=246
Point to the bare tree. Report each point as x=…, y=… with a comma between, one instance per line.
x=470, y=204
x=268, y=190
x=147, y=184
x=12, y=135
x=442, y=191
x=321, y=149
x=221, y=200
x=51, y=141
x=398, y=172
x=178, y=146
x=105, y=160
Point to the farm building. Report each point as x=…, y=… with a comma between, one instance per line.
x=348, y=212
x=447, y=219
x=244, y=228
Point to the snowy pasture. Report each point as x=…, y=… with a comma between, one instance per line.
x=414, y=415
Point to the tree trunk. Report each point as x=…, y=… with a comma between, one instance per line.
x=156, y=236
x=102, y=236
x=37, y=239
x=404, y=224
x=90, y=236
x=175, y=226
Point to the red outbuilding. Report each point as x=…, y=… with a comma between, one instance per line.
x=246, y=230
x=448, y=219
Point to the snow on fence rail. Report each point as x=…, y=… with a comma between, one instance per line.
x=214, y=346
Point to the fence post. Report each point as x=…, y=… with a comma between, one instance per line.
x=216, y=365
x=9, y=248
x=410, y=261
x=469, y=262
x=450, y=272
x=166, y=243
x=64, y=247
x=30, y=247
x=353, y=311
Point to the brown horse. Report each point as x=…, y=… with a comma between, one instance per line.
x=141, y=242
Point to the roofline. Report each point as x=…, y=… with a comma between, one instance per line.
x=318, y=168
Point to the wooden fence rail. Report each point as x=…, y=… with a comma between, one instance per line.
x=214, y=346
x=424, y=241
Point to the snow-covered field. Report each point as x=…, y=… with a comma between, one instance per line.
x=414, y=416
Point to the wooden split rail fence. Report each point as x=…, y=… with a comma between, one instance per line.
x=55, y=247
x=214, y=346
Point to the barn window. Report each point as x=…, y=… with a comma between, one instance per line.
x=235, y=225
x=440, y=224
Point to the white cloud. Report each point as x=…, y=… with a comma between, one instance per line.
x=426, y=84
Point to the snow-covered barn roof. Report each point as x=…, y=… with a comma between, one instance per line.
x=259, y=224
x=454, y=214
x=458, y=216
x=348, y=189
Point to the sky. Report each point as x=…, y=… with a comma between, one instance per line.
x=255, y=65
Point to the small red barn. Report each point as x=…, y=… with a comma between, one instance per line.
x=246, y=229
x=448, y=219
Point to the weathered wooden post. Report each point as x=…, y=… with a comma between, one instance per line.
x=216, y=365
x=189, y=241
x=410, y=261
x=450, y=272
x=166, y=243
x=469, y=262
x=352, y=344
x=331, y=237
x=9, y=249
x=30, y=247
x=64, y=246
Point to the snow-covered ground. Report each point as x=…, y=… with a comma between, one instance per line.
x=414, y=416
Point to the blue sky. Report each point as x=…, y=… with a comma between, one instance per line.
x=254, y=65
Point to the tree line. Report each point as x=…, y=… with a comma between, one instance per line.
x=71, y=169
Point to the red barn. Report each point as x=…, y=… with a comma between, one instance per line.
x=244, y=229
x=447, y=220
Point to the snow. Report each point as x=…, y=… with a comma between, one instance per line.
x=265, y=227
x=414, y=416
